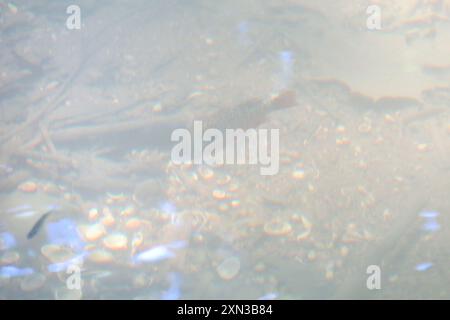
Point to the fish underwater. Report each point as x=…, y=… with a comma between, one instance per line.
x=41, y=221
x=38, y=225
x=251, y=113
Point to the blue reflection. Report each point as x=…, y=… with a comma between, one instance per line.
x=64, y=232
x=7, y=241
x=25, y=214
x=174, y=291
x=169, y=208
x=429, y=214
x=431, y=225
x=286, y=60
x=243, y=29
x=430, y=220
x=159, y=253
x=155, y=254
x=31, y=253
x=424, y=266
x=269, y=296
x=63, y=266
x=12, y=272
x=18, y=209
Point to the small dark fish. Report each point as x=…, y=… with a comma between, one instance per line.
x=38, y=225
x=251, y=113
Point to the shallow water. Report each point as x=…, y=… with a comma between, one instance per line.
x=87, y=117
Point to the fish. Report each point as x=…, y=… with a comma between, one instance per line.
x=249, y=114
x=38, y=225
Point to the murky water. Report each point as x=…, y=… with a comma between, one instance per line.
x=93, y=205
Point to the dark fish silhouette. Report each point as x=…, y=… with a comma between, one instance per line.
x=249, y=114
x=38, y=225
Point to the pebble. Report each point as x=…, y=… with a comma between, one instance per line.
x=9, y=258
x=92, y=232
x=229, y=268
x=100, y=256
x=28, y=186
x=116, y=241
x=56, y=253
x=298, y=174
x=32, y=282
x=277, y=227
